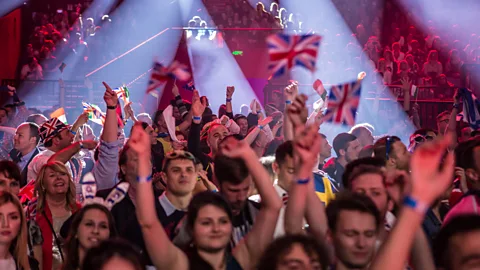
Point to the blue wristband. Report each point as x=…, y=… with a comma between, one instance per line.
x=143, y=179
x=417, y=206
x=260, y=127
x=229, y=100
x=197, y=118
x=288, y=102
x=303, y=181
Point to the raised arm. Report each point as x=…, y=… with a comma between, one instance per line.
x=67, y=153
x=110, y=127
x=164, y=254
x=194, y=136
x=81, y=120
x=228, y=101
x=290, y=92
x=428, y=183
x=248, y=250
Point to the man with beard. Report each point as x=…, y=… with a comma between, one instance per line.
x=353, y=227
x=347, y=148
x=235, y=177
x=393, y=151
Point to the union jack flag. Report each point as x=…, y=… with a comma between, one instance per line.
x=287, y=51
x=161, y=74
x=343, y=103
x=51, y=127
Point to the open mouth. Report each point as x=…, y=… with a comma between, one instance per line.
x=59, y=184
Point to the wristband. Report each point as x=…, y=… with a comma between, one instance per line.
x=417, y=206
x=288, y=102
x=456, y=106
x=197, y=118
x=259, y=112
x=229, y=100
x=73, y=132
x=260, y=127
x=144, y=179
x=303, y=181
x=111, y=107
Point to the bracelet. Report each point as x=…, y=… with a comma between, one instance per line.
x=144, y=179
x=303, y=181
x=229, y=100
x=112, y=107
x=456, y=106
x=417, y=206
x=259, y=112
x=288, y=102
x=260, y=127
x=197, y=118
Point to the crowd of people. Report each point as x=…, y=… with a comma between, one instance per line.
x=192, y=188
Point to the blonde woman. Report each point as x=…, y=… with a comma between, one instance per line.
x=13, y=235
x=54, y=204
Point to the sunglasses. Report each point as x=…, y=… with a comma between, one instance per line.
x=176, y=154
x=421, y=139
x=388, y=145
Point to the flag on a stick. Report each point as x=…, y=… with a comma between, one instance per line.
x=343, y=103
x=287, y=51
x=60, y=114
x=161, y=75
x=95, y=114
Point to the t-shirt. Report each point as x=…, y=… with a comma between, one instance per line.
x=243, y=222
x=8, y=264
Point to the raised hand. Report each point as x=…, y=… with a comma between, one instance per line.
x=406, y=83
x=234, y=148
x=129, y=111
x=398, y=185
x=291, y=91
x=110, y=96
x=429, y=179
x=265, y=121
x=297, y=112
x=139, y=140
x=82, y=119
x=198, y=107
x=230, y=91
x=307, y=145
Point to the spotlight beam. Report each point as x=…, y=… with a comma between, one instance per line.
x=127, y=52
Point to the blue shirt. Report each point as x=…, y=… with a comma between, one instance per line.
x=24, y=160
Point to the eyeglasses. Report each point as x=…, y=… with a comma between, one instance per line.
x=388, y=145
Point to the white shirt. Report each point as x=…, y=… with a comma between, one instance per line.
x=38, y=162
x=8, y=264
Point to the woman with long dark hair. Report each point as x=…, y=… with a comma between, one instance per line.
x=209, y=221
x=91, y=225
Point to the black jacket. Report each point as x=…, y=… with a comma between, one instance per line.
x=15, y=156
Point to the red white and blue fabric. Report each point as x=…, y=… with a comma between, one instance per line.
x=471, y=105
x=287, y=51
x=51, y=128
x=161, y=75
x=189, y=86
x=343, y=103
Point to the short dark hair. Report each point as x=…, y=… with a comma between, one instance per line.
x=360, y=170
x=10, y=170
x=5, y=110
x=122, y=159
x=457, y=225
x=98, y=256
x=281, y=246
x=283, y=150
x=351, y=166
x=380, y=146
x=341, y=142
x=31, y=118
x=354, y=202
x=230, y=170
x=34, y=131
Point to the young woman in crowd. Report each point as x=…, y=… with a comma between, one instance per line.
x=209, y=223
x=91, y=225
x=13, y=235
x=54, y=204
x=113, y=254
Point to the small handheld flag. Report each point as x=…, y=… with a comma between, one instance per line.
x=189, y=86
x=161, y=74
x=343, y=103
x=287, y=51
x=95, y=114
x=318, y=86
x=60, y=114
